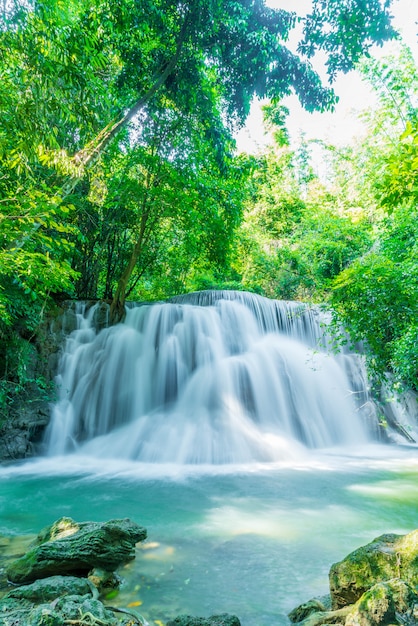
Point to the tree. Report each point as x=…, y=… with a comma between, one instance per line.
x=298, y=233
x=75, y=170
x=73, y=76
x=346, y=31
x=376, y=297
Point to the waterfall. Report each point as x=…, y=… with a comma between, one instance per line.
x=209, y=378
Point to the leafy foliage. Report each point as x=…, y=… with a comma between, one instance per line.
x=377, y=297
x=350, y=241
x=116, y=167
x=74, y=74
x=346, y=30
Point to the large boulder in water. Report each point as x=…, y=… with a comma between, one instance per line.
x=376, y=585
x=386, y=557
x=69, y=547
x=57, y=601
x=391, y=602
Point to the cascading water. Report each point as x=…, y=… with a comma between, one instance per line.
x=213, y=388
x=209, y=378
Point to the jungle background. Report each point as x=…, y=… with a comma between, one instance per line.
x=120, y=178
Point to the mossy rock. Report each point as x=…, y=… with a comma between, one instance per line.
x=303, y=611
x=386, y=557
x=48, y=589
x=59, y=601
x=68, y=547
x=67, y=610
x=392, y=602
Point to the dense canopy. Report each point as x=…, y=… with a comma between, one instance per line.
x=118, y=170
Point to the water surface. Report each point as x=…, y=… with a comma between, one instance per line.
x=251, y=540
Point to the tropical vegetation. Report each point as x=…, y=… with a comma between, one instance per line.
x=119, y=176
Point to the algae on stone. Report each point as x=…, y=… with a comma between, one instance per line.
x=386, y=557
x=372, y=586
x=68, y=547
x=391, y=602
x=59, y=601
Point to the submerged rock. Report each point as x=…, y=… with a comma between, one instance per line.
x=68, y=547
x=215, y=620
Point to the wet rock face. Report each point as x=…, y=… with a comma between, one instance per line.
x=68, y=547
x=376, y=585
x=386, y=557
x=24, y=419
x=391, y=602
x=55, y=601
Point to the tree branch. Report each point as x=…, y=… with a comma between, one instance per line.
x=86, y=157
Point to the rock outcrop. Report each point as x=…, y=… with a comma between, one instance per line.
x=69, y=547
x=386, y=557
x=58, y=601
x=67, y=566
x=374, y=585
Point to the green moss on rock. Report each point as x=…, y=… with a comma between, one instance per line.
x=304, y=610
x=390, y=602
x=68, y=547
x=386, y=557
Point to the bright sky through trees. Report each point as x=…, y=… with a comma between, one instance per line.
x=342, y=125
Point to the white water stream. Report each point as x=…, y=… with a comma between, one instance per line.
x=228, y=430
x=241, y=379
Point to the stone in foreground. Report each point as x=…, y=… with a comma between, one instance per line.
x=69, y=547
x=389, y=556
x=392, y=602
x=376, y=585
x=56, y=601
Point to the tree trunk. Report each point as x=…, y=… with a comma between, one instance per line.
x=117, y=308
x=85, y=158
